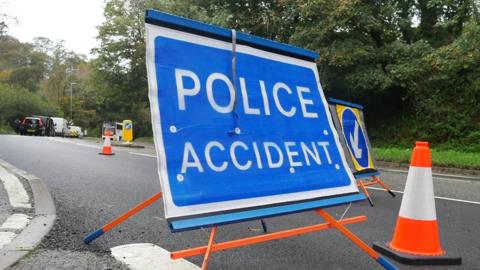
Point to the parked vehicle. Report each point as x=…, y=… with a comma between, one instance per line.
x=32, y=126
x=115, y=129
x=61, y=126
x=49, y=125
x=75, y=132
x=16, y=125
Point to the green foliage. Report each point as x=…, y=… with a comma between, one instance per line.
x=413, y=64
x=49, y=70
x=119, y=72
x=416, y=82
x=144, y=139
x=17, y=102
x=452, y=90
x=6, y=130
x=20, y=64
x=443, y=103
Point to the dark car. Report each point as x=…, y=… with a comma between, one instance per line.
x=16, y=125
x=48, y=123
x=32, y=125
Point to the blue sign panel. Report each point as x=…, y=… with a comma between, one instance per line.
x=354, y=136
x=262, y=137
x=348, y=118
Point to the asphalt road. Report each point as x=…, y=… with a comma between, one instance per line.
x=89, y=190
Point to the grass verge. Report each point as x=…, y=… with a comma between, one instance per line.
x=144, y=139
x=445, y=158
x=6, y=130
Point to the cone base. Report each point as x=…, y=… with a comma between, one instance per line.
x=405, y=258
x=105, y=154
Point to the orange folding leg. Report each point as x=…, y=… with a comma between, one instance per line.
x=381, y=183
x=362, y=186
x=357, y=241
x=209, y=248
x=94, y=235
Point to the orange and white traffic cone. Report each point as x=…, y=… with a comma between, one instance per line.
x=107, y=147
x=416, y=239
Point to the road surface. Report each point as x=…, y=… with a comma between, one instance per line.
x=89, y=190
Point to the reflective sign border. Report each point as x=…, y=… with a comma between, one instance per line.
x=173, y=212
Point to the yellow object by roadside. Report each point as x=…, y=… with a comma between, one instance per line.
x=127, y=130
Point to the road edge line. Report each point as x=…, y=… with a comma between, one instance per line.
x=436, y=197
x=438, y=175
x=39, y=226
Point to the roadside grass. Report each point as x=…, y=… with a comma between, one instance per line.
x=444, y=158
x=89, y=138
x=6, y=130
x=144, y=139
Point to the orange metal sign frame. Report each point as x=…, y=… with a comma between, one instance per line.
x=331, y=223
x=212, y=247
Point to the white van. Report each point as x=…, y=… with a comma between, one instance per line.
x=61, y=126
x=115, y=128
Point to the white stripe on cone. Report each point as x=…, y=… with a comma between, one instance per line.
x=418, y=200
x=107, y=141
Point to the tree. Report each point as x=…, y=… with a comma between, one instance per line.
x=449, y=110
x=119, y=72
x=383, y=54
x=20, y=64
x=17, y=102
x=62, y=66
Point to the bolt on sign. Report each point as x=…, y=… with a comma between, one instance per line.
x=239, y=121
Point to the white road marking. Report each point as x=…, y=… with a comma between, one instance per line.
x=16, y=192
x=6, y=238
x=455, y=179
x=17, y=171
x=16, y=222
x=75, y=143
x=437, y=175
x=436, y=197
x=142, y=154
x=147, y=256
x=88, y=145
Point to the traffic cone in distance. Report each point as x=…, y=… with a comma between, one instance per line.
x=416, y=238
x=107, y=147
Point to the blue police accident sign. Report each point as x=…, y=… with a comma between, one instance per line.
x=226, y=143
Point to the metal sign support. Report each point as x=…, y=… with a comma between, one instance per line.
x=331, y=223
